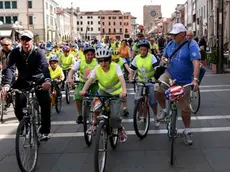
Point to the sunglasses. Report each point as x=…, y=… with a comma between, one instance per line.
x=24, y=38
x=5, y=45
x=103, y=60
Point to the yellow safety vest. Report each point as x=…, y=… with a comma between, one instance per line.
x=145, y=68
x=109, y=81
x=56, y=73
x=81, y=55
x=121, y=64
x=66, y=61
x=86, y=68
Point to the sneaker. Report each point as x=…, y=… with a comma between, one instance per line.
x=161, y=115
x=92, y=129
x=187, y=138
x=80, y=119
x=44, y=137
x=156, y=122
x=122, y=135
x=125, y=112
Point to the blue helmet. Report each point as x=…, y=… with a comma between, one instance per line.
x=89, y=48
x=143, y=43
x=54, y=58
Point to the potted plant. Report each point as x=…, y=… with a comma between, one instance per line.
x=212, y=59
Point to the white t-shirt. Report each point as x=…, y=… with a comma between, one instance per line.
x=118, y=71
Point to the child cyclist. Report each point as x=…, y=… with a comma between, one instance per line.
x=84, y=67
x=56, y=73
x=111, y=82
x=124, y=65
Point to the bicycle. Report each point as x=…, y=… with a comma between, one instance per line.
x=28, y=127
x=55, y=100
x=105, y=129
x=194, y=101
x=172, y=112
x=142, y=107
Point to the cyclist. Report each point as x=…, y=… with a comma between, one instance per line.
x=111, y=82
x=73, y=50
x=145, y=63
x=56, y=73
x=49, y=53
x=84, y=66
x=81, y=51
x=124, y=65
x=66, y=61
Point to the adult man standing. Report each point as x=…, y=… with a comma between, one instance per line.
x=184, y=66
x=31, y=64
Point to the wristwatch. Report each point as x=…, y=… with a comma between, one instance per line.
x=196, y=79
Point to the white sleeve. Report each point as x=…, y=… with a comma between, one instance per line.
x=76, y=66
x=119, y=71
x=154, y=60
x=93, y=74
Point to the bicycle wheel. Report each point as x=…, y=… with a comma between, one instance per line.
x=101, y=136
x=27, y=131
x=87, y=123
x=2, y=106
x=173, y=134
x=113, y=139
x=141, y=118
x=58, y=104
x=67, y=93
x=195, y=101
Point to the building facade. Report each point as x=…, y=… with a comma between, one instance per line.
x=201, y=18
x=41, y=16
x=151, y=16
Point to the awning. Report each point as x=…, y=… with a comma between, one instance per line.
x=5, y=33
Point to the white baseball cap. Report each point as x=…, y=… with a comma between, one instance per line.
x=178, y=28
x=28, y=34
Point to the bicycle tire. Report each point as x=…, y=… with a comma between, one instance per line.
x=22, y=123
x=67, y=94
x=101, y=127
x=196, y=109
x=58, y=104
x=113, y=139
x=2, y=104
x=86, y=113
x=141, y=136
x=172, y=132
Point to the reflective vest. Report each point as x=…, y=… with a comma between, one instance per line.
x=67, y=62
x=121, y=64
x=73, y=52
x=81, y=55
x=86, y=68
x=109, y=81
x=145, y=68
x=56, y=73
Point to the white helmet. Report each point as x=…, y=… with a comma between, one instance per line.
x=103, y=52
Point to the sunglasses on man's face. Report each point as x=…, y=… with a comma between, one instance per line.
x=103, y=60
x=24, y=38
x=5, y=45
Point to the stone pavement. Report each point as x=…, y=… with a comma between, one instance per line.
x=66, y=151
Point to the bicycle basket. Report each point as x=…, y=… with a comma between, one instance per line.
x=175, y=93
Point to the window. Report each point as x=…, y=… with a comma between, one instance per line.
x=127, y=23
x=88, y=17
x=92, y=22
x=114, y=23
x=81, y=17
x=103, y=30
x=204, y=11
x=91, y=29
x=109, y=30
x=29, y=4
x=88, y=22
x=78, y=23
x=99, y=22
x=114, y=17
x=81, y=29
x=114, y=30
x=87, y=28
x=47, y=6
x=201, y=12
x=14, y=4
x=2, y=19
x=51, y=21
x=15, y=18
x=99, y=29
x=7, y=5
x=109, y=23
x=121, y=23
x=126, y=30
x=99, y=17
x=1, y=4
x=102, y=17
x=47, y=19
x=120, y=30
x=8, y=20
x=120, y=17
x=31, y=20
x=103, y=23
x=109, y=17
x=78, y=29
x=81, y=23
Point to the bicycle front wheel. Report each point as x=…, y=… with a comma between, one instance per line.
x=87, y=123
x=173, y=134
x=67, y=93
x=58, y=104
x=195, y=101
x=26, y=132
x=100, y=151
x=141, y=118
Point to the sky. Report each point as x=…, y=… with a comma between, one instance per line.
x=133, y=6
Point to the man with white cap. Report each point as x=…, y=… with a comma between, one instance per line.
x=184, y=67
x=32, y=66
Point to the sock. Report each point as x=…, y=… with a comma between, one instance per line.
x=187, y=130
